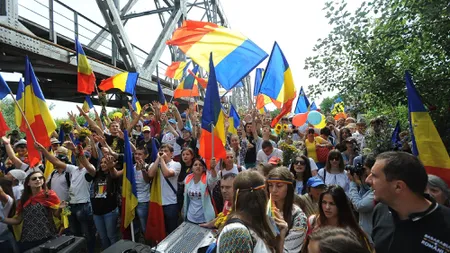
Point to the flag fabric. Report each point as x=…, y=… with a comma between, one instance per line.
x=187, y=87
x=212, y=116
x=177, y=69
x=239, y=84
x=3, y=126
x=202, y=81
x=135, y=104
x=427, y=145
x=86, y=77
x=262, y=100
x=303, y=104
x=49, y=168
x=278, y=83
x=87, y=105
x=234, y=54
x=337, y=107
x=258, y=78
x=233, y=120
x=20, y=100
x=395, y=139
x=155, y=229
x=162, y=99
x=4, y=88
x=37, y=114
x=126, y=82
x=129, y=193
x=313, y=106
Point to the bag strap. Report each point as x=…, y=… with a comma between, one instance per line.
x=170, y=185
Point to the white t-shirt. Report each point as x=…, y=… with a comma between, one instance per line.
x=313, y=164
x=4, y=211
x=263, y=158
x=195, y=211
x=234, y=170
x=142, y=187
x=59, y=185
x=169, y=138
x=79, y=186
x=168, y=196
x=28, y=170
x=17, y=191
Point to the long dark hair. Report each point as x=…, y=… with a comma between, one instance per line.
x=306, y=174
x=7, y=188
x=336, y=240
x=111, y=183
x=345, y=213
x=282, y=173
x=27, y=189
x=331, y=155
x=250, y=203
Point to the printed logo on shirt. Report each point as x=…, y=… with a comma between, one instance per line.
x=101, y=190
x=195, y=195
x=435, y=244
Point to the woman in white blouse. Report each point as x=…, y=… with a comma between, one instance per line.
x=334, y=173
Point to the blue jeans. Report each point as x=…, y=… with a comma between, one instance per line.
x=9, y=243
x=170, y=217
x=142, y=214
x=107, y=227
x=81, y=223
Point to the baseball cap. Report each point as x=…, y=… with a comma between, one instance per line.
x=18, y=174
x=183, y=115
x=187, y=129
x=274, y=160
x=53, y=140
x=146, y=129
x=20, y=142
x=315, y=182
x=62, y=151
x=172, y=121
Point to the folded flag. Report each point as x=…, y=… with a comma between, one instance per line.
x=258, y=78
x=162, y=99
x=234, y=54
x=426, y=142
x=278, y=83
x=126, y=82
x=303, y=104
x=129, y=192
x=234, y=120
x=213, y=120
x=135, y=104
x=187, y=87
x=86, y=77
x=87, y=105
x=177, y=69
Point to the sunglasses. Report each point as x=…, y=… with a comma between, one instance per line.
x=300, y=162
x=36, y=178
x=335, y=159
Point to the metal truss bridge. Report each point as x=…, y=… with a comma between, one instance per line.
x=45, y=31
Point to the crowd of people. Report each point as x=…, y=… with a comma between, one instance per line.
x=331, y=195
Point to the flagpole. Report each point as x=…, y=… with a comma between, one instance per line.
x=23, y=114
x=132, y=230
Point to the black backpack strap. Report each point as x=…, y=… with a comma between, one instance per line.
x=170, y=184
x=49, y=183
x=67, y=175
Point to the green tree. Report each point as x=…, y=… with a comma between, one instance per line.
x=7, y=108
x=326, y=105
x=366, y=54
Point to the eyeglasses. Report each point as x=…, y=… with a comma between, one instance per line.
x=36, y=178
x=300, y=162
x=335, y=158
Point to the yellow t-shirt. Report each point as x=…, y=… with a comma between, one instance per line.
x=311, y=147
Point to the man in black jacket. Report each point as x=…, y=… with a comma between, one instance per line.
x=406, y=220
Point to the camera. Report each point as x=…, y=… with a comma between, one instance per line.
x=358, y=169
x=161, y=153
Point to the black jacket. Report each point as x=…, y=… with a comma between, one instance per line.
x=421, y=233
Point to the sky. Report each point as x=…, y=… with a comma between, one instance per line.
x=295, y=25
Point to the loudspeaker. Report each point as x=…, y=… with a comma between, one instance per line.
x=62, y=244
x=126, y=246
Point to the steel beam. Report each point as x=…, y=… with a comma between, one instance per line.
x=155, y=54
x=112, y=18
x=101, y=36
x=145, y=13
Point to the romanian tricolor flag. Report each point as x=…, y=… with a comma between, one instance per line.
x=278, y=82
x=213, y=120
x=262, y=100
x=162, y=99
x=177, y=69
x=126, y=82
x=129, y=193
x=427, y=144
x=234, y=54
x=33, y=104
x=234, y=120
x=202, y=81
x=155, y=230
x=87, y=105
x=258, y=78
x=303, y=104
x=135, y=104
x=187, y=87
x=4, y=91
x=86, y=77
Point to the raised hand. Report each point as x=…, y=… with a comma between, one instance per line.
x=69, y=145
x=39, y=146
x=6, y=140
x=72, y=116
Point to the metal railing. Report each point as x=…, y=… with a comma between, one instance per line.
x=63, y=21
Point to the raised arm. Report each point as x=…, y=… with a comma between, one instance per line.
x=51, y=158
x=91, y=123
x=10, y=152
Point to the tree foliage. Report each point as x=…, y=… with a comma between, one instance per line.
x=326, y=105
x=366, y=54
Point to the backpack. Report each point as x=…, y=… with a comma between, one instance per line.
x=67, y=175
x=212, y=248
